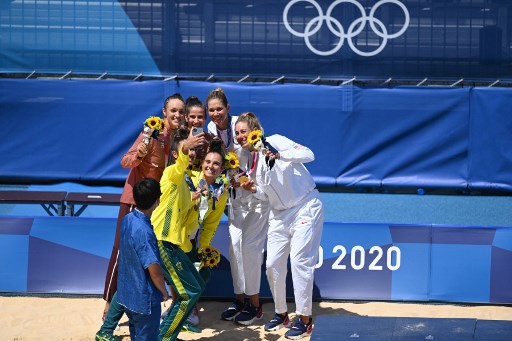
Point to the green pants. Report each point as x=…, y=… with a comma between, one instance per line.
x=205, y=272
x=186, y=282
x=116, y=311
x=114, y=314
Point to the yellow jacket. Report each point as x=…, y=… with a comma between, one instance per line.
x=169, y=218
x=211, y=219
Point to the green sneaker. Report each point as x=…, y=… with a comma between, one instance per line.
x=104, y=336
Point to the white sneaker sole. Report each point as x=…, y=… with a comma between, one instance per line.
x=279, y=326
x=230, y=318
x=249, y=322
x=298, y=337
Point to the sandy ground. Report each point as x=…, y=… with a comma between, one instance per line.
x=26, y=318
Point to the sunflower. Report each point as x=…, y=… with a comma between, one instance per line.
x=209, y=256
x=154, y=122
x=231, y=160
x=254, y=136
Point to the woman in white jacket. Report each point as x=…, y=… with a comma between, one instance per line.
x=295, y=227
x=248, y=225
x=221, y=124
x=247, y=216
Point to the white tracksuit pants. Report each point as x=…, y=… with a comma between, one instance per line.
x=248, y=226
x=296, y=232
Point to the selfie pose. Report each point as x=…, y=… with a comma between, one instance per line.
x=295, y=225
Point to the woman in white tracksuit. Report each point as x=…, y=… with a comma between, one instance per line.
x=247, y=217
x=295, y=228
x=248, y=225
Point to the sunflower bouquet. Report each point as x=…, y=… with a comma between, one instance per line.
x=153, y=126
x=231, y=161
x=256, y=140
x=231, y=164
x=209, y=256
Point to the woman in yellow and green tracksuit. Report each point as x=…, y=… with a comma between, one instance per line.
x=177, y=217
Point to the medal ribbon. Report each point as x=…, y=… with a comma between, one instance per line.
x=230, y=133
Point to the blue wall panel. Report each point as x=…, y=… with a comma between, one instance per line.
x=405, y=137
x=490, y=151
x=73, y=129
x=460, y=272
x=501, y=276
x=356, y=261
x=412, y=281
x=83, y=234
x=14, y=255
x=56, y=268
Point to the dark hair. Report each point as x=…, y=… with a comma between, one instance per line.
x=217, y=146
x=191, y=102
x=146, y=192
x=219, y=94
x=176, y=95
x=180, y=135
x=252, y=121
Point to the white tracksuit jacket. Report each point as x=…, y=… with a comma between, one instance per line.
x=295, y=222
x=248, y=226
x=248, y=222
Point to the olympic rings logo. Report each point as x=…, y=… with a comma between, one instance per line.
x=356, y=27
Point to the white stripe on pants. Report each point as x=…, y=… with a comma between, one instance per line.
x=295, y=232
x=247, y=233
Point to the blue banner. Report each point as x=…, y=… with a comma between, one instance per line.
x=297, y=38
x=356, y=260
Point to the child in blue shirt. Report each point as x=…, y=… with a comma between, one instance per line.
x=140, y=284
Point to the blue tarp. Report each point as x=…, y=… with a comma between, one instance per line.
x=393, y=138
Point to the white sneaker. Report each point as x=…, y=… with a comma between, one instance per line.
x=165, y=313
x=193, y=317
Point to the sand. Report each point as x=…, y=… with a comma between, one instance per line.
x=26, y=318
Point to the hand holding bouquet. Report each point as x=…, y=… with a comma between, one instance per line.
x=153, y=126
x=231, y=164
x=257, y=142
x=209, y=256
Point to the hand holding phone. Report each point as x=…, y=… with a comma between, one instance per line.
x=195, y=138
x=196, y=130
x=270, y=148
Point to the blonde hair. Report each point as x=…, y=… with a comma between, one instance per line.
x=251, y=120
x=219, y=94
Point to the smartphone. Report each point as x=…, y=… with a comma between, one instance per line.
x=196, y=130
x=269, y=147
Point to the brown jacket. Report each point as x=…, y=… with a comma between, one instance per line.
x=151, y=166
